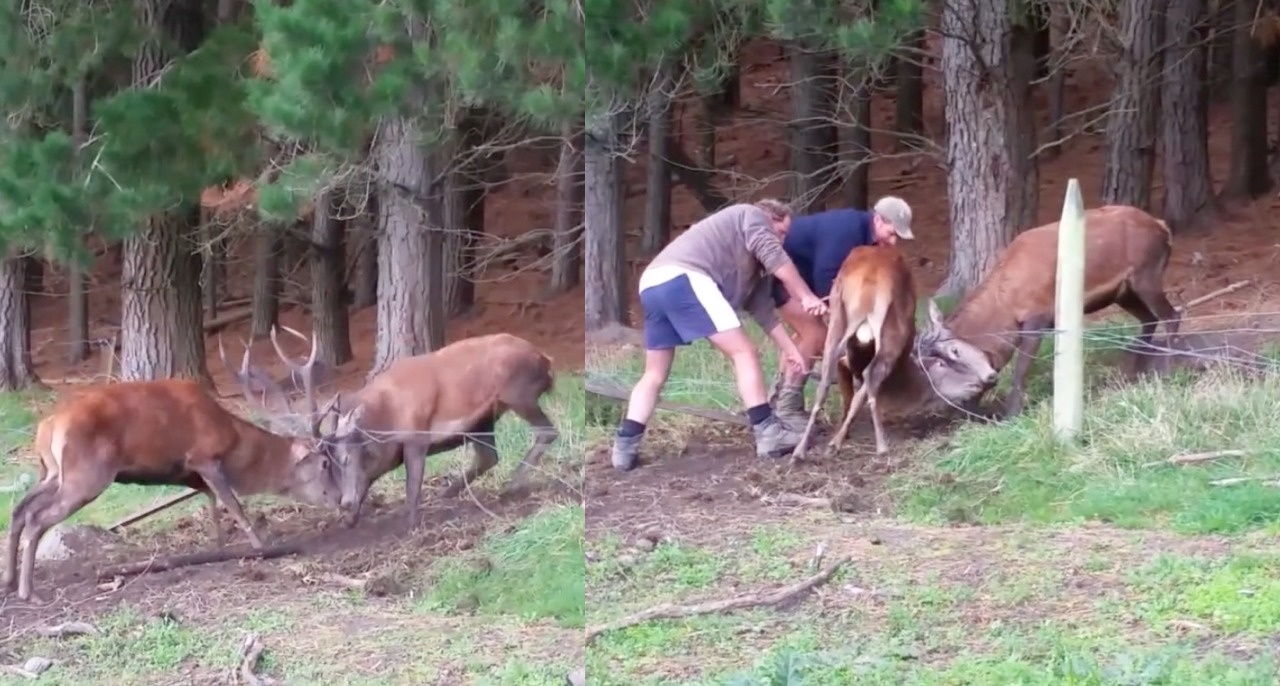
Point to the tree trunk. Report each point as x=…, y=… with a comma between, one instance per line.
x=605, y=299
x=715, y=109
x=991, y=179
x=34, y=277
x=1133, y=122
x=464, y=210
x=566, y=262
x=161, y=327
x=1060, y=28
x=856, y=152
x=266, y=280
x=1249, y=176
x=403, y=290
x=77, y=303
x=365, y=292
x=16, y=369
x=1223, y=23
x=812, y=129
x=1188, y=181
x=908, y=121
x=157, y=340
x=657, y=201
x=329, y=322
x=213, y=258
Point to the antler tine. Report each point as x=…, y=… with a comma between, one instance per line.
x=306, y=370
x=242, y=375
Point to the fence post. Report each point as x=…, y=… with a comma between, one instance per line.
x=1068, y=348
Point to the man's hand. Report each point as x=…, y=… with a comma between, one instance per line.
x=813, y=305
x=795, y=361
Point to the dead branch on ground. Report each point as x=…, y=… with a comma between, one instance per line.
x=1210, y=296
x=165, y=564
x=1196, y=458
x=1273, y=480
x=67, y=629
x=739, y=602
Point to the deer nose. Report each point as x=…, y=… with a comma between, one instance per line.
x=990, y=378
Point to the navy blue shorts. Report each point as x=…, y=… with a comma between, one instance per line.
x=681, y=307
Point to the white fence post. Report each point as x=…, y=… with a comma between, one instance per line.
x=1068, y=348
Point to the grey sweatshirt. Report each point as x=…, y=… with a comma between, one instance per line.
x=732, y=246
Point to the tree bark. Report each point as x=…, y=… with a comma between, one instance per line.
x=1220, y=57
x=856, y=152
x=566, y=258
x=1133, y=121
x=266, y=281
x=77, y=303
x=161, y=320
x=605, y=299
x=812, y=129
x=1188, y=181
x=17, y=372
x=1249, y=176
x=329, y=322
x=908, y=121
x=991, y=178
x=657, y=206
x=403, y=290
x=365, y=292
x=464, y=211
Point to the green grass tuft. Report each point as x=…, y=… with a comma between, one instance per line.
x=535, y=571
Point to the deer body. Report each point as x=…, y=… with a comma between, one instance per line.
x=167, y=432
x=432, y=403
x=872, y=306
x=1126, y=253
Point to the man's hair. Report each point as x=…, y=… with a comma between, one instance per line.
x=776, y=209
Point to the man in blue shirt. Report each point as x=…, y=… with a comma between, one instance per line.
x=818, y=244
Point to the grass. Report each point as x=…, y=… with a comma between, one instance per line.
x=1099, y=565
x=505, y=613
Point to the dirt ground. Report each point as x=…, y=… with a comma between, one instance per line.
x=714, y=466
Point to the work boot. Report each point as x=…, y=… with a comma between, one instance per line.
x=775, y=438
x=626, y=451
x=789, y=406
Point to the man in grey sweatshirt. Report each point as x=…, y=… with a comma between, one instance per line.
x=693, y=289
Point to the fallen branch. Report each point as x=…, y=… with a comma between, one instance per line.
x=802, y=500
x=251, y=652
x=1273, y=480
x=165, y=564
x=219, y=323
x=158, y=507
x=1210, y=296
x=1195, y=458
x=67, y=629
x=672, y=611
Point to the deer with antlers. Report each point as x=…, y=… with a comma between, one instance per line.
x=431, y=403
x=167, y=432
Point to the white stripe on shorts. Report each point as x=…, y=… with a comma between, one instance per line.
x=722, y=314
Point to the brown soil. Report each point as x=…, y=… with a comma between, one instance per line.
x=711, y=475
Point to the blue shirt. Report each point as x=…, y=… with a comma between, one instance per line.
x=818, y=244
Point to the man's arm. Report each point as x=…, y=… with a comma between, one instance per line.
x=760, y=305
x=765, y=245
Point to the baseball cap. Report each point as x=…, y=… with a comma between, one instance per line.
x=898, y=213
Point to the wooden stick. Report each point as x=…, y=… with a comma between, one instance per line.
x=1270, y=480
x=165, y=564
x=1210, y=296
x=158, y=507
x=1194, y=458
x=251, y=652
x=672, y=611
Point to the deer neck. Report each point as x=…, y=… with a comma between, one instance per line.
x=264, y=458
x=986, y=320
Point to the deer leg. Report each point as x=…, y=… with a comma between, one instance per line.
x=484, y=442
x=215, y=519
x=1132, y=304
x=873, y=378
x=217, y=483
x=819, y=398
x=415, y=465
x=32, y=502
x=544, y=434
x=1029, y=340
x=1148, y=290
x=69, y=497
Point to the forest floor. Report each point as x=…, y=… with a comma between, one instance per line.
x=977, y=553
